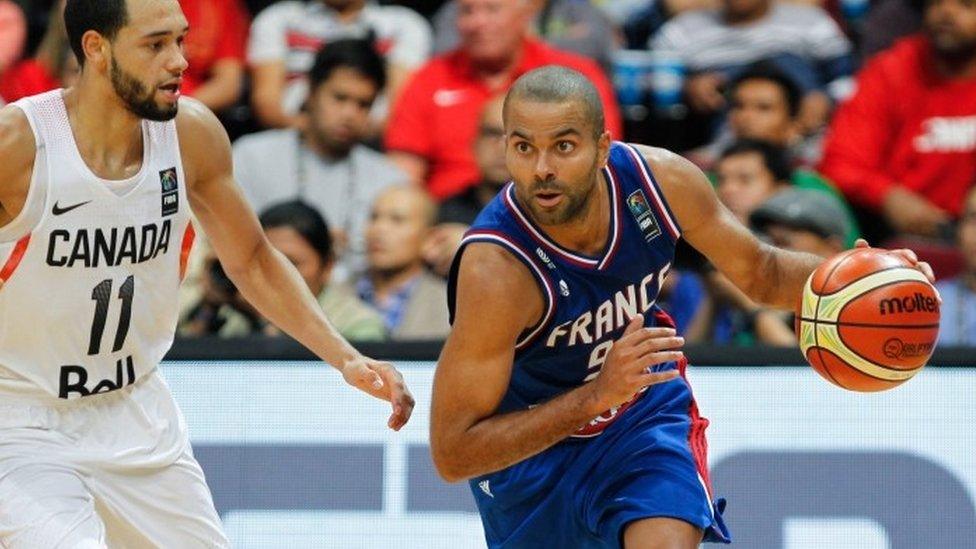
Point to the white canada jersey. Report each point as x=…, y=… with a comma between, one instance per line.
x=89, y=301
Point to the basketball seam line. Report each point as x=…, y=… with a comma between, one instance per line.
x=867, y=325
x=816, y=312
x=860, y=278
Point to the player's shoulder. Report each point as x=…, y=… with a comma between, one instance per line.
x=17, y=143
x=665, y=164
x=197, y=124
x=490, y=263
x=14, y=126
x=684, y=185
x=204, y=144
x=495, y=276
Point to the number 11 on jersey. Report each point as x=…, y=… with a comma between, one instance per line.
x=102, y=295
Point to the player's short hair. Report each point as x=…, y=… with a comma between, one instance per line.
x=773, y=156
x=357, y=54
x=305, y=220
x=556, y=84
x=105, y=17
x=768, y=71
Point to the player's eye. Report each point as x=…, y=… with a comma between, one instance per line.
x=522, y=147
x=565, y=146
x=156, y=46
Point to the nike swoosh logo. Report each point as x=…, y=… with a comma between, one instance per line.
x=58, y=211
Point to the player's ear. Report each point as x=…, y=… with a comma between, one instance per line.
x=603, y=146
x=96, y=48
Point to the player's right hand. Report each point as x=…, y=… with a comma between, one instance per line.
x=625, y=371
x=383, y=381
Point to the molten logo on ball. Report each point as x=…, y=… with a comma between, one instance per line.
x=908, y=304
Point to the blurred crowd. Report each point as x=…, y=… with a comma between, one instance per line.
x=368, y=135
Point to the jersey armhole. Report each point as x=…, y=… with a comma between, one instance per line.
x=545, y=285
x=32, y=212
x=30, y=114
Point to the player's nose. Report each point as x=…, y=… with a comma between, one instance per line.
x=178, y=63
x=544, y=170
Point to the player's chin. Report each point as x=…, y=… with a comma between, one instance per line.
x=163, y=111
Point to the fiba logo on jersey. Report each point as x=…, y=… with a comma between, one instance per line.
x=564, y=288
x=641, y=209
x=169, y=185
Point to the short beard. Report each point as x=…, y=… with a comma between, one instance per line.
x=137, y=99
x=575, y=205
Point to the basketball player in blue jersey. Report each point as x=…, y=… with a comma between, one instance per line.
x=96, y=186
x=560, y=393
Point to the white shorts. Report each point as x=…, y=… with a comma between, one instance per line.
x=111, y=470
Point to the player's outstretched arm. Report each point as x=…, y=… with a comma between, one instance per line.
x=265, y=277
x=768, y=275
x=496, y=299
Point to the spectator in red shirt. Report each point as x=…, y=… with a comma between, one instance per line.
x=53, y=65
x=434, y=123
x=904, y=146
x=214, y=47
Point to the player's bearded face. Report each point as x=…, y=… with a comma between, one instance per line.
x=139, y=98
x=576, y=195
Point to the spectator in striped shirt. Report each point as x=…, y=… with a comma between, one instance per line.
x=802, y=41
x=286, y=36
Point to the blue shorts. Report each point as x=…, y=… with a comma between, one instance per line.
x=582, y=493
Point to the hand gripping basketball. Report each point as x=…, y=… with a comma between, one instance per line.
x=868, y=319
x=625, y=371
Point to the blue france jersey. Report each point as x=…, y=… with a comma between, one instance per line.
x=588, y=300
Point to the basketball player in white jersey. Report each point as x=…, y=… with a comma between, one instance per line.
x=96, y=187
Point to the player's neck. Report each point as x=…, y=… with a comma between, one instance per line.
x=108, y=136
x=588, y=232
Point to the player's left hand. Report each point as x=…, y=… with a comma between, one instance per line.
x=910, y=256
x=381, y=380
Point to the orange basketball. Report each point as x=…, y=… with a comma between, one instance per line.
x=867, y=320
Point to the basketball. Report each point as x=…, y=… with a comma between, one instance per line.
x=867, y=320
